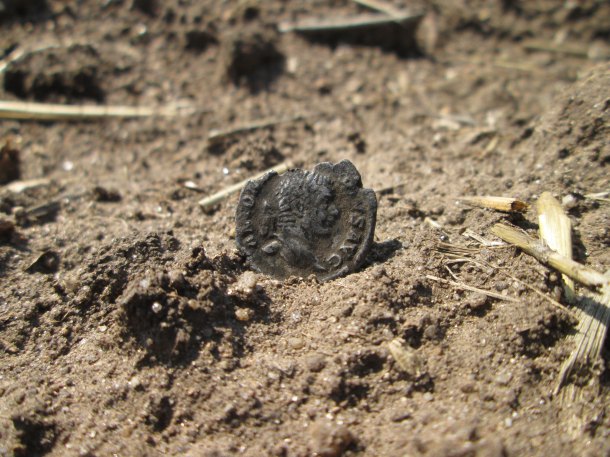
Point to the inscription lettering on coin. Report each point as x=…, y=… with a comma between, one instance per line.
x=300, y=223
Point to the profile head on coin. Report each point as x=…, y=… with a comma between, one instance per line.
x=300, y=223
x=306, y=202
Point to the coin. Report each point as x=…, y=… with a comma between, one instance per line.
x=300, y=223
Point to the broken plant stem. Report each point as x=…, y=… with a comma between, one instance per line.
x=461, y=254
x=473, y=289
x=538, y=292
x=220, y=196
x=543, y=254
x=56, y=112
x=573, y=50
x=593, y=325
x=381, y=6
x=556, y=231
x=504, y=204
x=20, y=53
x=349, y=23
x=482, y=241
x=599, y=196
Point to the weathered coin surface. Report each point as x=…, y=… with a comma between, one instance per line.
x=307, y=222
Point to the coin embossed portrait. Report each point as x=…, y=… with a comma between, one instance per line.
x=300, y=223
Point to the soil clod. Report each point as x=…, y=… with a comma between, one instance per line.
x=330, y=440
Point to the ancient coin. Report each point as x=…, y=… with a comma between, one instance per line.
x=301, y=223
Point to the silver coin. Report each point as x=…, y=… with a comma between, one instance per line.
x=301, y=223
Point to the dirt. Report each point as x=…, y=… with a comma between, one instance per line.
x=130, y=324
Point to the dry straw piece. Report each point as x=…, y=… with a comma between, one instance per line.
x=460, y=285
x=407, y=358
x=599, y=196
x=596, y=50
x=55, y=112
x=594, y=319
x=462, y=254
x=504, y=204
x=556, y=231
x=594, y=316
x=381, y=6
x=220, y=196
x=348, y=23
x=578, y=272
x=21, y=186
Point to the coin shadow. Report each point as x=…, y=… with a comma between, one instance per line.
x=382, y=252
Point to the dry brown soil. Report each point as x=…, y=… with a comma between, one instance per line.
x=129, y=323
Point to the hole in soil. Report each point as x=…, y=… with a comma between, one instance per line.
x=199, y=40
x=388, y=322
x=36, y=438
x=412, y=335
x=364, y=364
x=350, y=392
x=160, y=414
x=14, y=83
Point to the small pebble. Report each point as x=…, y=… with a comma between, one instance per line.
x=569, y=201
x=245, y=285
x=296, y=343
x=329, y=439
x=156, y=307
x=476, y=301
x=47, y=262
x=402, y=416
x=176, y=280
x=135, y=383
x=432, y=332
x=468, y=387
x=243, y=314
x=504, y=378
x=315, y=363
x=501, y=285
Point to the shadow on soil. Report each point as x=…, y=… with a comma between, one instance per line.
x=382, y=252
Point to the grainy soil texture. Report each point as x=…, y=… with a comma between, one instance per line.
x=131, y=325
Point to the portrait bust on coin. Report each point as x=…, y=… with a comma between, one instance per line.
x=301, y=223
